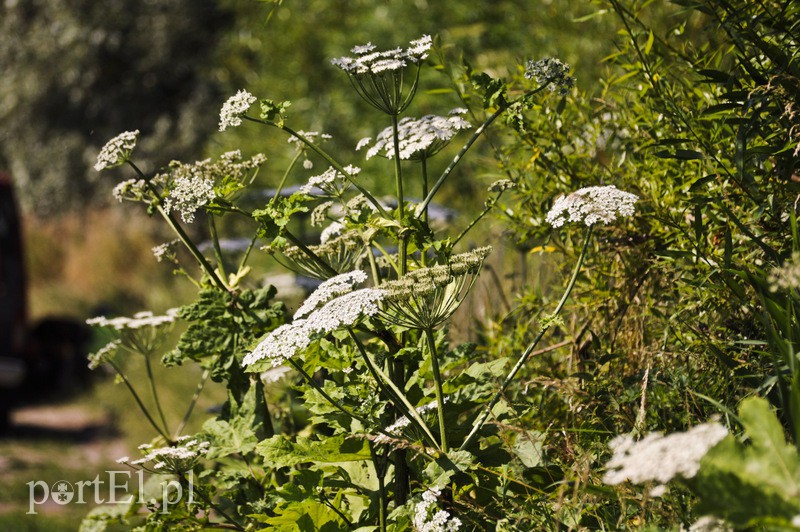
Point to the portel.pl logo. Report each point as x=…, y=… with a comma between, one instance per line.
x=116, y=488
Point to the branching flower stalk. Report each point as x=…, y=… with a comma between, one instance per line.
x=421, y=208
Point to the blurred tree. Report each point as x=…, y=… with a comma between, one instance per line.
x=76, y=72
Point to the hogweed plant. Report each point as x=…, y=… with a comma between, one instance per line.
x=397, y=435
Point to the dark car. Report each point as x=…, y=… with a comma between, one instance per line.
x=36, y=362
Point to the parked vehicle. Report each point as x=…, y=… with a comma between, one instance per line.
x=38, y=362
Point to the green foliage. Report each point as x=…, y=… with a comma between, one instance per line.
x=756, y=482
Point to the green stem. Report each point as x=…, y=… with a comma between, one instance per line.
x=437, y=379
x=197, y=391
x=398, y=174
x=524, y=357
x=139, y=402
x=286, y=175
x=212, y=228
x=313, y=256
x=214, y=507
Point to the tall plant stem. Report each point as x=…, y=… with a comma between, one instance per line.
x=398, y=173
x=437, y=380
x=527, y=353
x=212, y=228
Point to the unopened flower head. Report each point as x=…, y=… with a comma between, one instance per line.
x=379, y=76
x=117, y=151
x=427, y=297
x=287, y=340
x=786, y=277
x=342, y=253
x=319, y=216
x=657, y=458
x=333, y=287
x=591, y=205
x=552, y=72
x=232, y=110
x=273, y=375
x=428, y=518
x=501, y=185
x=418, y=137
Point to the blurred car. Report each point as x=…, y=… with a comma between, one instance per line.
x=38, y=362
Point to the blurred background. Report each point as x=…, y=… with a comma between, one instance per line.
x=78, y=72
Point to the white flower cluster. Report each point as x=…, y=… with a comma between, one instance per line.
x=117, y=151
x=172, y=459
x=103, y=354
x=232, y=110
x=787, y=277
x=437, y=521
x=552, y=72
x=310, y=135
x=658, y=458
x=138, y=321
x=368, y=61
x=191, y=186
x=330, y=289
x=130, y=189
x=341, y=311
x=165, y=251
x=417, y=137
x=188, y=194
x=591, y=205
x=403, y=421
x=331, y=181
x=330, y=232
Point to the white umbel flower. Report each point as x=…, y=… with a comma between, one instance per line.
x=658, y=458
x=117, y=151
x=590, y=205
x=332, y=288
x=188, y=195
x=232, y=110
x=340, y=311
x=428, y=519
x=417, y=137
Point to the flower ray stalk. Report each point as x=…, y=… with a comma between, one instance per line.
x=179, y=230
x=139, y=402
x=395, y=392
x=325, y=155
x=529, y=350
